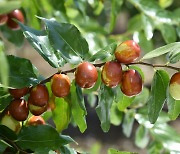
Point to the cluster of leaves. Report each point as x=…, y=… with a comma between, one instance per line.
x=61, y=43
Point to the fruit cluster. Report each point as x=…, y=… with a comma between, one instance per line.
x=9, y=19
x=86, y=75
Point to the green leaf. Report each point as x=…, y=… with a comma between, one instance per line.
x=114, y=151
x=115, y=9
x=40, y=41
x=148, y=26
x=31, y=11
x=168, y=32
x=122, y=100
x=154, y=11
x=5, y=98
x=104, y=54
x=23, y=76
x=146, y=45
x=128, y=122
x=174, y=56
x=4, y=71
x=157, y=94
x=67, y=150
x=77, y=112
x=173, y=106
x=91, y=99
x=81, y=6
x=15, y=37
x=141, y=99
x=106, y=97
x=116, y=116
x=166, y=135
x=66, y=39
x=45, y=136
x=165, y=3
x=61, y=114
x=141, y=137
x=3, y=146
x=80, y=98
x=163, y=50
x=155, y=147
x=139, y=70
x=135, y=23
x=7, y=6
x=5, y=132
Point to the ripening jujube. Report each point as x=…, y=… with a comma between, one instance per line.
x=111, y=74
x=60, y=85
x=174, y=87
x=39, y=95
x=16, y=14
x=3, y=19
x=36, y=120
x=18, y=93
x=19, y=110
x=127, y=52
x=86, y=75
x=131, y=82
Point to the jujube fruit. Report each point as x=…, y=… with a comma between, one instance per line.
x=18, y=93
x=39, y=95
x=127, y=52
x=3, y=19
x=36, y=120
x=10, y=122
x=131, y=83
x=86, y=75
x=34, y=109
x=60, y=85
x=19, y=109
x=111, y=74
x=16, y=14
x=174, y=87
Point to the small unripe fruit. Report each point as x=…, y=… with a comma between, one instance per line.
x=16, y=14
x=36, y=110
x=18, y=93
x=111, y=74
x=19, y=110
x=86, y=75
x=127, y=52
x=131, y=83
x=11, y=123
x=36, y=120
x=39, y=95
x=174, y=87
x=60, y=85
x=3, y=19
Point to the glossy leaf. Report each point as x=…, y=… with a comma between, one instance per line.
x=7, y=6
x=43, y=135
x=3, y=146
x=27, y=72
x=106, y=97
x=122, y=100
x=141, y=137
x=157, y=94
x=174, y=56
x=66, y=39
x=61, y=114
x=128, y=122
x=5, y=132
x=4, y=71
x=40, y=41
x=173, y=106
x=77, y=112
x=104, y=54
x=139, y=71
x=168, y=32
x=5, y=98
x=116, y=116
x=155, y=147
x=163, y=50
x=67, y=150
x=165, y=3
x=15, y=37
x=154, y=11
